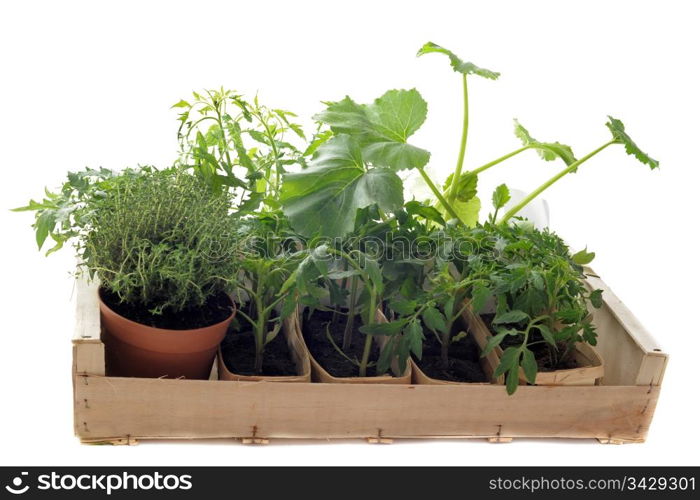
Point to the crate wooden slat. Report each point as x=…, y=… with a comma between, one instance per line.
x=124, y=410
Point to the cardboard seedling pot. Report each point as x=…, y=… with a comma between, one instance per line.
x=297, y=349
x=589, y=371
x=319, y=374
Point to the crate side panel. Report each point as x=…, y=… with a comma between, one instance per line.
x=205, y=409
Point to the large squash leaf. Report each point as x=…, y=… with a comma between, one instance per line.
x=383, y=127
x=324, y=198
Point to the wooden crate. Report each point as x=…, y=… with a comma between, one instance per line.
x=124, y=410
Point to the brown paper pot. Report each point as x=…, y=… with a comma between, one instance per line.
x=488, y=363
x=589, y=372
x=319, y=374
x=299, y=354
x=136, y=350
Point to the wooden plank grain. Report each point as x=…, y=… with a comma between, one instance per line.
x=153, y=408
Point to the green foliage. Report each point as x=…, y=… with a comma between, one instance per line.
x=268, y=254
x=548, y=151
x=460, y=66
x=617, y=129
x=239, y=145
x=66, y=214
x=357, y=167
x=161, y=240
x=324, y=198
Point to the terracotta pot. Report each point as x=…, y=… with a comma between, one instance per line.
x=136, y=350
x=296, y=348
x=319, y=374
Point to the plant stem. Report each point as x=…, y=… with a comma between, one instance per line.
x=350, y=323
x=499, y=160
x=463, y=143
x=571, y=168
x=371, y=313
x=439, y=195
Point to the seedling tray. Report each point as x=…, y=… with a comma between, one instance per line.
x=125, y=410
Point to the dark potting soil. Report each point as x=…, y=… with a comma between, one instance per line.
x=322, y=350
x=463, y=360
x=215, y=310
x=541, y=351
x=238, y=353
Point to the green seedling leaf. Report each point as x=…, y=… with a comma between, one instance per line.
x=414, y=333
x=388, y=329
x=596, y=298
x=617, y=129
x=403, y=306
x=548, y=151
x=509, y=359
x=514, y=316
x=529, y=365
x=501, y=196
x=512, y=380
x=460, y=66
x=546, y=334
x=494, y=341
x=480, y=294
x=425, y=211
x=584, y=257
x=434, y=319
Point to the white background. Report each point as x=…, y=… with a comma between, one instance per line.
x=90, y=84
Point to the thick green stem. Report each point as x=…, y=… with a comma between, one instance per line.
x=499, y=160
x=259, y=327
x=438, y=195
x=462, y=145
x=571, y=168
x=368, y=339
x=350, y=323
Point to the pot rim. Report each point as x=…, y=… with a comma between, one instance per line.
x=228, y=319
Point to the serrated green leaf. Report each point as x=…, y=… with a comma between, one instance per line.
x=403, y=306
x=617, y=129
x=434, y=319
x=546, y=334
x=509, y=359
x=388, y=329
x=596, y=298
x=480, y=294
x=181, y=104
x=514, y=316
x=460, y=66
x=494, y=340
x=548, y=151
x=425, y=211
x=414, y=332
x=501, y=196
x=512, y=380
x=584, y=257
x=529, y=365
